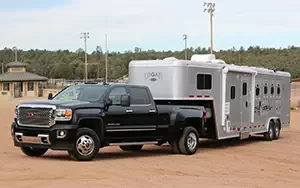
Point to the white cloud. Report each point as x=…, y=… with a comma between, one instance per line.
x=151, y=24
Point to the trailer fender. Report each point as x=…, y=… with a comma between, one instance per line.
x=268, y=121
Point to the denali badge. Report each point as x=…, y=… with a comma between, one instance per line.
x=153, y=76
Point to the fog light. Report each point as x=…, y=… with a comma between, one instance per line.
x=61, y=134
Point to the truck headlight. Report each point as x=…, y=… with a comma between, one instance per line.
x=63, y=114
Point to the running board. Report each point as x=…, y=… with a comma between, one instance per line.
x=132, y=143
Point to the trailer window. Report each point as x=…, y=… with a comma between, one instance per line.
x=244, y=88
x=257, y=91
x=265, y=89
x=232, y=92
x=272, y=89
x=204, y=81
x=278, y=89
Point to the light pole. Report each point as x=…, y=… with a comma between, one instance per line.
x=15, y=49
x=185, y=45
x=106, y=58
x=85, y=36
x=210, y=8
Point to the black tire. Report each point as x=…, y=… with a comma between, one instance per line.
x=132, y=148
x=175, y=146
x=189, y=141
x=277, y=130
x=33, y=152
x=270, y=134
x=86, y=145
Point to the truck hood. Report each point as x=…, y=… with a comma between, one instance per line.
x=73, y=104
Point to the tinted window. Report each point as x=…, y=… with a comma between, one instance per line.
x=278, y=89
x=244, y=88
x=204, y=81
x=139, y=96
x=232, y=91
x=115, y=95
x=272, y=90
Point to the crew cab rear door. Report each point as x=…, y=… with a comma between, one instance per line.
x=142, y=110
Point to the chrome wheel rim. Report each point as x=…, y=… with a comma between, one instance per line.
x=85, y=145
x=192, y=141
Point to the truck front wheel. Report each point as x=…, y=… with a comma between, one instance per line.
x=33, y=152
x=86, y=146
x=188, y=143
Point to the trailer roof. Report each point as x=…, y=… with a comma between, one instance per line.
x=206, y=62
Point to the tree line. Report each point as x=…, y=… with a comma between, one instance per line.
x=70, y=65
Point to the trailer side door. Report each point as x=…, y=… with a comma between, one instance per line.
x=245, y=101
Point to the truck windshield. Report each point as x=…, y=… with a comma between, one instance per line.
x=89, y=93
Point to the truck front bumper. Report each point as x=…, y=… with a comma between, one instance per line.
x=58, y=137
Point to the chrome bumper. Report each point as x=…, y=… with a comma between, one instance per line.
x=39, y=139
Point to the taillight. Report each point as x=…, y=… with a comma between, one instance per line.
x=204, y=117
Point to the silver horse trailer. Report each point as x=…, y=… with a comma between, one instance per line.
x=241, y=100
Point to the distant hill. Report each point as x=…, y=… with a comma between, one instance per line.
x=70, y=65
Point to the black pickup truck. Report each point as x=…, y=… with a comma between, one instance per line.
x=85, y=117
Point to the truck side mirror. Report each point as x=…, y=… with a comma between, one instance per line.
x=50, y=96
x=125, y=100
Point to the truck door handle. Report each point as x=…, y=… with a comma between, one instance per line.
x=152, y=111
x=129, y=111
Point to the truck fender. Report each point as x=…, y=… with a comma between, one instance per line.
x=181, y=115
x=95, y=115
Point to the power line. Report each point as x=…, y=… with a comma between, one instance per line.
x=210, y=8
x=85, y=36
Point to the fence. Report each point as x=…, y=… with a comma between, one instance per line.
x=295, y=94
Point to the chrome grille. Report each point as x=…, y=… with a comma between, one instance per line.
x=35, y=116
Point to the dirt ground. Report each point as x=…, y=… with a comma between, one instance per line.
x=231, y=163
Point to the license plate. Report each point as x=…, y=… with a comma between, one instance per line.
x=30, y=139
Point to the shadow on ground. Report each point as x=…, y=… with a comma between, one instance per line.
x=150, y=151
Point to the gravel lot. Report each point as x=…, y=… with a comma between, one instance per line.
x=230, y=163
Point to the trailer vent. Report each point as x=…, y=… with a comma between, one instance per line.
x=203, y=57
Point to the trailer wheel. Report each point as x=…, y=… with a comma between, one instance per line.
x=131, y=148
x=188, y=143
x=270, y=134
x=276, y=130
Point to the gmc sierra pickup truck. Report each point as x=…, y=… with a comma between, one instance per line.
x=82, y=118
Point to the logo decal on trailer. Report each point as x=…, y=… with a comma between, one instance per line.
x=153, y=76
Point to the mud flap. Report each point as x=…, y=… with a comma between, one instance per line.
x=244, y=135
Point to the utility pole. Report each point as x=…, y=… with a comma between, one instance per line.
x=106, y=58
x=210, y=8
x=2, y=68
x=85, y=36
x=185, y=45
x=15, y=49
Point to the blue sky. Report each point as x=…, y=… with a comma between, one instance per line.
x=156, y=24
